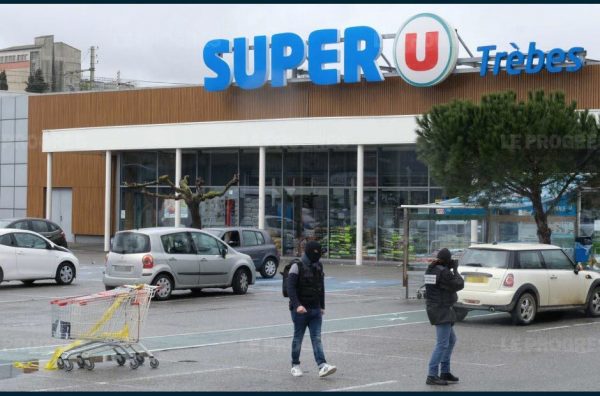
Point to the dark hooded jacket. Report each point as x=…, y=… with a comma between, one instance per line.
x=441, y=284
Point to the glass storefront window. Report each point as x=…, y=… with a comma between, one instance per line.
x=221, y=211
x=399, y=167
x=223, y=165
x=137, y=210
x=390, y=224
x=249, y=168
x=305, y=168
x=166, y=164
x=138, y=167
x=305, y=214
x=188, y=166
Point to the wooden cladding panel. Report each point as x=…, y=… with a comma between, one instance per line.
x=85, y=172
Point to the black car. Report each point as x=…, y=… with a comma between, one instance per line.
x=43, y=227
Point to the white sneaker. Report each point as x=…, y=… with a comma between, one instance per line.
x=326, y=369
x=296, y=371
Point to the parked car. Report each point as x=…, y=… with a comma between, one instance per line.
x=28, y=256
x=255, y=243
x=43, y=227
x=525, y=279
x=176, y=258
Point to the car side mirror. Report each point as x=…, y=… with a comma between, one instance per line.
x=49, y=246
x=224, y=251
x=578, y=268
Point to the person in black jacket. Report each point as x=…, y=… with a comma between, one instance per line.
x=442, y=281
x=306, y=290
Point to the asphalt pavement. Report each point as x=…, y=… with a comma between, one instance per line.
x=217, y=341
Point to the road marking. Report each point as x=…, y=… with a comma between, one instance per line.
x=548, y=329
x=151, y=377
x=362, y=386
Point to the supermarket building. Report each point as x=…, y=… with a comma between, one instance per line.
x=328, y=162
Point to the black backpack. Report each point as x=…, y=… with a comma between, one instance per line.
x=285, y=273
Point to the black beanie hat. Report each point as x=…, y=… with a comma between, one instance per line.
x=313, y=251
x=444, y=256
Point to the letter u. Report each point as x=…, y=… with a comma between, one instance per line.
x=431, y=51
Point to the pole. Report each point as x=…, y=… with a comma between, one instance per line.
x=92, y=64
x=262, y=154
x=177, y=180
x=474, y=231
x=360, y=188
x=405, y=243
x=107, y=187
x=49, y=186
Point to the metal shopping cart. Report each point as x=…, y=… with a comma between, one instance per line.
x=105, y=326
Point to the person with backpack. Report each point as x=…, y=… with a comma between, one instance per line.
x=442, y=281
x=304, y=284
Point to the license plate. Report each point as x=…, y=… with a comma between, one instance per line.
x=476, y=279
x=122, y=268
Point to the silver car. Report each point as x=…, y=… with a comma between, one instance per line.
x=176, y=258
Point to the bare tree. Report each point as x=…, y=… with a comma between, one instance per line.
x=184, y=191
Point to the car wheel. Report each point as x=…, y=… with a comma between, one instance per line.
x=28, y=282
x=269, y=269
x=240, y=282
x=165, y=287
x=525, y=309
x=461, y=314
x=65, y=274
x=593, y=308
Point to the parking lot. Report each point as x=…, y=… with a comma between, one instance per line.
x=217, y=341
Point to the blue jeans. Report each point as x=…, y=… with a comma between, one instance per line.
x=313, y=320
x=440, y=359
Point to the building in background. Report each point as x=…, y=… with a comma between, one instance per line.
x=13, y=154
x=60, y=64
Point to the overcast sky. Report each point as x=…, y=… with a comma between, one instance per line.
x=164, y=42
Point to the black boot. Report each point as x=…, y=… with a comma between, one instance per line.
x=435, y=380
x=449, y=377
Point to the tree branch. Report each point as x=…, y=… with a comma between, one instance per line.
x=215, y=194
x=163, y=196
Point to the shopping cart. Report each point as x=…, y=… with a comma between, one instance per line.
x=105, y=326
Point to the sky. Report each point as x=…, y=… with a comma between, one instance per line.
x=163, y=43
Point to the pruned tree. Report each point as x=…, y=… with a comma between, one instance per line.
x=35, y=83
x=192, y=195
x=3, y=81
x=503, y=147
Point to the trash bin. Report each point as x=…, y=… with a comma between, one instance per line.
x=583, y=248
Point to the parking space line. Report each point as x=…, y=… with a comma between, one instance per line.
x=362, y=386
x=152, y=377
x=549, y=328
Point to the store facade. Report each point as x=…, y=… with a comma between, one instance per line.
x=331, y=162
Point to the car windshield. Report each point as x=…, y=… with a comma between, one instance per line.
x=130, y=243
x=4, y=223
x=486, y=258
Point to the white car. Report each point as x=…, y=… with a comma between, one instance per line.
x=176, y=258
x=525, y=279
x=27, y=256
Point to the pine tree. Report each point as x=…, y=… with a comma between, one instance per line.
x=3, y=81
x=36, y=83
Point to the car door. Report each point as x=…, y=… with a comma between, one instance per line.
x=214, y=269
x=8, y=257
x=180, y=255
x=529, y=268
x=566, y=287
x=34, y=259
x=41, y=227
x=252, y=247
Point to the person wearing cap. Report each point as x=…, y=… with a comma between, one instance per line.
x=306, y=290
x=442, y=281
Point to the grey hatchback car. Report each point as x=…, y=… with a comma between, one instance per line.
x=255, y=243
x=176, y=258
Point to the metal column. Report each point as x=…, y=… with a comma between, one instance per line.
x=48, y=186
x=360, y=188
x=405, y=243
x=107, y=188
x=262, y=154
x=177, y=180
